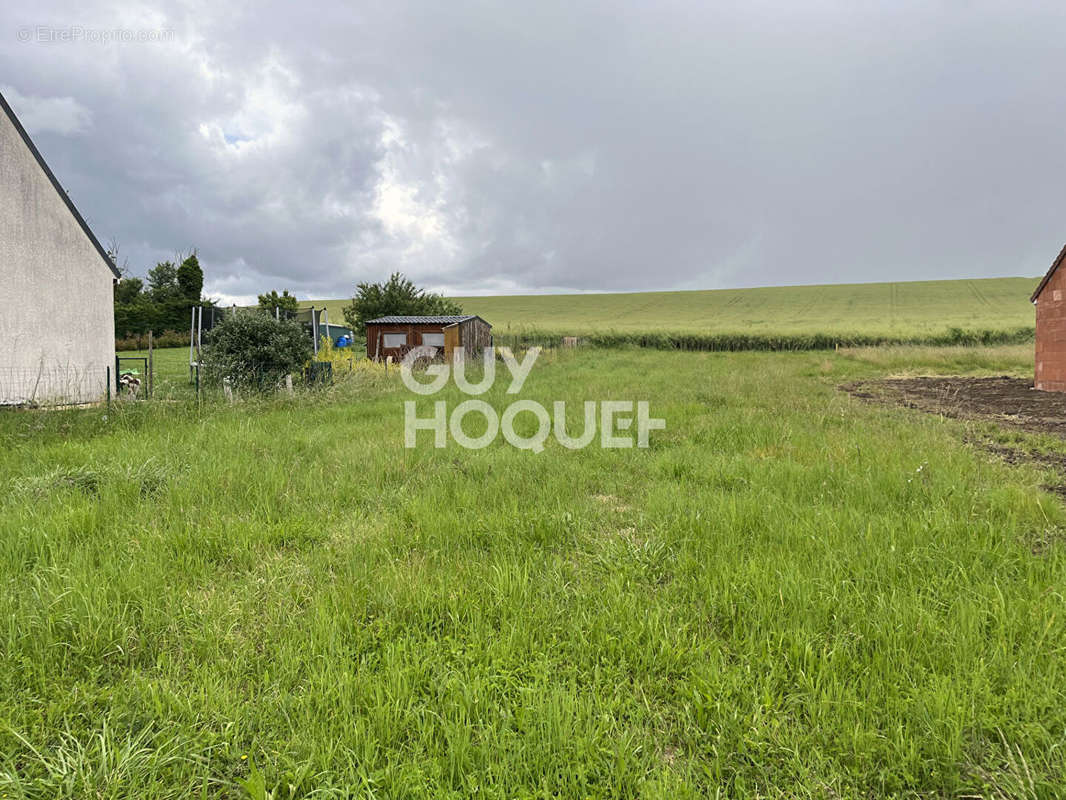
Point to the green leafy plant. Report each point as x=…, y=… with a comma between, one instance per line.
x=128, y=290
x=255, y=351
x=284, y=301
x=397, y=295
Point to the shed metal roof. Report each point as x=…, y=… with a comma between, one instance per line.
x=445, y=320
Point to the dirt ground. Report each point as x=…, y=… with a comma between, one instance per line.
x=1006, y=401
x=1011, y=402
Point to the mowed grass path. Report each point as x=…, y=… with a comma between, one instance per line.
x=789, y=594
x=900, y=309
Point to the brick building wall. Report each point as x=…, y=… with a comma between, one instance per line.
x=1051, y=335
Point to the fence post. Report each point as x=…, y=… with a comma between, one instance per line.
x=108, y=390
x=192, y=337
x=150, y=377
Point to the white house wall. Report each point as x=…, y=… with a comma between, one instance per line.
x=57, y=329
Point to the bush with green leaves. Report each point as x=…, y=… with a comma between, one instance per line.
x=396, y=296
x=285, y=302
x=255, y=351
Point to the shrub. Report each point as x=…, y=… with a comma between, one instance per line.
x=139, y=341
x=396, y=296
x=285, y=302
x=255, y=351
x=145, y=315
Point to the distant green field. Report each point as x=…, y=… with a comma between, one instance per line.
x=901, y=309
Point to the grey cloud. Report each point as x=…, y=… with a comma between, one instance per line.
x=555, y=146
x=62, y=115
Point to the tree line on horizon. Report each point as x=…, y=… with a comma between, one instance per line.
x=161, y=301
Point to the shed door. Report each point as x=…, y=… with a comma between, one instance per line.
x=451, y=341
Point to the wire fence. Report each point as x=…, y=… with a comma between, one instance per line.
x=45, y=386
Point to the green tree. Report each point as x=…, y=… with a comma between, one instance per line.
x=255, y=351
x=190, y=278
x=128, y=290
x=284, y=301
x=396, y=296
x=163, y=282
x=161, y=302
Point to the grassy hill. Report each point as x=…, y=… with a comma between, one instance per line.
x=911, y=309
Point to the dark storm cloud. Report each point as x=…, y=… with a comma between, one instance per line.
x=484, y=147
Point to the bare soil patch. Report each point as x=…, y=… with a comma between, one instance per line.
x=1006, y=401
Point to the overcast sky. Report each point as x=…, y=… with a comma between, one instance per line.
x=487, y=148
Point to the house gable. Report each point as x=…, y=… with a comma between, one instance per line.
x=56, y=185
x=57, y=332
x=1047, y=278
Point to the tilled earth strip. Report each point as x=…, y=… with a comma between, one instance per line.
x=1004, y=400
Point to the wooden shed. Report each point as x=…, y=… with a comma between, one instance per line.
x=396, y=336
x=1051, y=329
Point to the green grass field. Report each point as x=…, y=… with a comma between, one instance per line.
x=789, y=594
x=887, y=309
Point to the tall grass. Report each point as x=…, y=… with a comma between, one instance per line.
x=789, y=594
x=951, y=359
x=733, y=342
